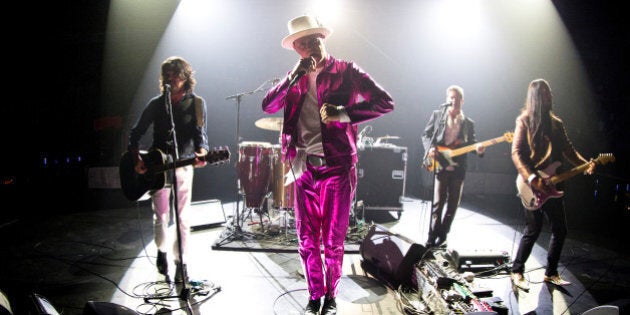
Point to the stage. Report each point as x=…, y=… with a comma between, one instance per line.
x=108, y=256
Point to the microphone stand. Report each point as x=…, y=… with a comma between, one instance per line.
x=186, y=287
x=441, y=123
x=238, y=232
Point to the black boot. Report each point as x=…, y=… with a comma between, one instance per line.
x=312, y=308
x=162, y=263
x=330, y=306
x=179, y=272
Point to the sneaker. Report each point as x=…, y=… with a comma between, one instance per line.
x=162, y=263
x=312, y=308
x=330, y=307
x=519, y=281
x=556, y=280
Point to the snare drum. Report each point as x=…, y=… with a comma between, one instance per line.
x=282, y=193
x=254, y=171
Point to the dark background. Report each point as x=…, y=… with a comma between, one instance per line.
x=74, y=97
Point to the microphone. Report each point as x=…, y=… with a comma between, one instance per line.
x=445, y=105
x=167, y=87
x=297, y=77
x=302, y=72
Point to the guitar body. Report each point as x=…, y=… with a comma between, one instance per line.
x=135, y=185
x=533, y=199
x=445, y=155
x=442, y=158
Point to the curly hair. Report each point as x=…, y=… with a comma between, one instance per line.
x=179, y=66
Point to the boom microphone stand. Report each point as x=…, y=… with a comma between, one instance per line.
x=185, y=293
x=237, y=230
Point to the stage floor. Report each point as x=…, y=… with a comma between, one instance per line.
x=108, y=256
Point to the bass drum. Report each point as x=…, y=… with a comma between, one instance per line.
x=254, y=171
x=283, y=194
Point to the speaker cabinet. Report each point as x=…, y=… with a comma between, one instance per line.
x=381, y=177
x=390, y=257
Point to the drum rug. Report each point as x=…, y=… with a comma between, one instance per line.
x=274, y=231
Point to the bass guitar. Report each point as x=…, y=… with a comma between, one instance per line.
x=533, y=199
x=135, y=185
x=445, y=154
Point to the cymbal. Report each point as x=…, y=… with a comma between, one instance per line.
x=269, y=123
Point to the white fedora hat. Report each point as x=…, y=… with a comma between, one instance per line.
x=302, y=26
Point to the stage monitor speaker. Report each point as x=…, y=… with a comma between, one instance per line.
x=106, y=308
x=390, y=257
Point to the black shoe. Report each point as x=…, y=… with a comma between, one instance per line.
x=312, y=308
x=330, y=307
x=179, y=274
x=162, y=263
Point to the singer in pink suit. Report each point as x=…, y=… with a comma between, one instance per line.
x=324, y=99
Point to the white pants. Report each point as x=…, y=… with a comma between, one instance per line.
x=165, y=236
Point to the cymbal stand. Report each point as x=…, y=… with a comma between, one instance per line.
x=237, y=232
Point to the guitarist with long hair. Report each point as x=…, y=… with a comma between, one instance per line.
x=189, y=119
x=540, y=139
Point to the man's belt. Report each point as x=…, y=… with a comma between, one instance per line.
x=316, y=160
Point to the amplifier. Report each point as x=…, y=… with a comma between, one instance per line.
x=382, y=174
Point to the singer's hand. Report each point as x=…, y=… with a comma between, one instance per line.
x=304, y=66
x=330, y=112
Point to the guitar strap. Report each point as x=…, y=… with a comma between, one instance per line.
x=199, y=111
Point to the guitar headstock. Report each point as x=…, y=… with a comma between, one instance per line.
x=218, y=156
x=604, y=158
x=508, y=136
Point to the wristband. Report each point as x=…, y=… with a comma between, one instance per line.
x=531, y=178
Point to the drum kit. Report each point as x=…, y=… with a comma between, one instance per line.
x=261, y=174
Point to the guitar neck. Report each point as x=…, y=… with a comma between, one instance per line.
x=170, y=165
x=568, y=174
x=212, y=157
x=471, y=147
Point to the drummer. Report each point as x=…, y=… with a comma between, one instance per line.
x=324, y=99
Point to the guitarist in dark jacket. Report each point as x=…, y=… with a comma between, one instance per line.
x=447, y=127
x=189, y=119
x=540, y=139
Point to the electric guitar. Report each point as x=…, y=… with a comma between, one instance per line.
x=135, y=185
x=445, y=154
x=533, y=199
